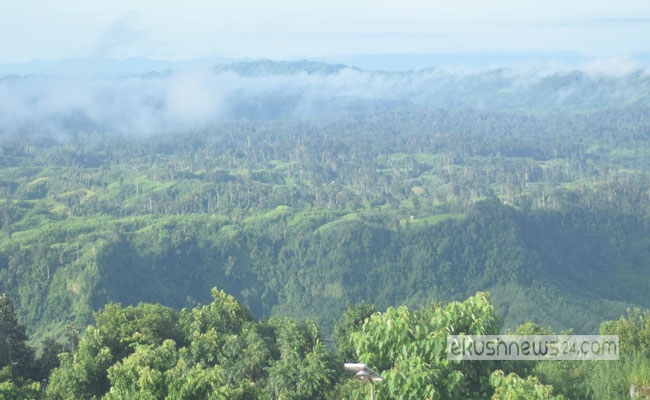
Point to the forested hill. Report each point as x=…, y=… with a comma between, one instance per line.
x=496, y=89
x=299, y=217
x=562, y=268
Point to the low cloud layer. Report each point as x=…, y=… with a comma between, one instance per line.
x=194, y=97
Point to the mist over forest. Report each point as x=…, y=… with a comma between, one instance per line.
x=193, y=96
x=237, y=229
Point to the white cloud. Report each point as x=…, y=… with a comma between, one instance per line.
x=616, y=67
x=194, y=98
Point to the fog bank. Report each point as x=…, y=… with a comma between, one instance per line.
x=193, y=96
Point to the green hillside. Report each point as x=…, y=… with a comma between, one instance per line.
x=300, y=218
x=567, y=269
x=315, y=226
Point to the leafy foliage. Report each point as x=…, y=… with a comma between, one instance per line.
x=15, y=355
x=17, y=388
x=633, y=331
x=352, y=321
x=512, y=387
x=300, y=218
x=217, y=351
x=409, y=348
x=548, y=211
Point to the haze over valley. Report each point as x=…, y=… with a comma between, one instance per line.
x=216, y=203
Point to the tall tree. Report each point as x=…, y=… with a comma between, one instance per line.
x=14, y=351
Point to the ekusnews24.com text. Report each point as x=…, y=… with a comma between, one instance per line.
x=532, y=347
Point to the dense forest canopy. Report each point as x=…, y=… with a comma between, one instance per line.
x=331, y=186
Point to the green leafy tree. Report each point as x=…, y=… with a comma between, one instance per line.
x=14, y=351
x=352, y=321
x=566, y=377
x=17, y=388
x=512, y=387
x=118, y=331
x=198, y=382
x=409, y=349
x=633, y=331
x=220, y=352
x=48, y=359
x=83, y=373
x=141, y=375
x=122, y=327
x=18, y=368
x=305, y=369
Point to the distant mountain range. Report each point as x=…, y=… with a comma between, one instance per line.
x=109, y=67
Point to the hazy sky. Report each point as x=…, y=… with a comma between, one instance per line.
x=190, y=29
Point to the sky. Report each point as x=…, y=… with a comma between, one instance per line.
x=194, y=29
